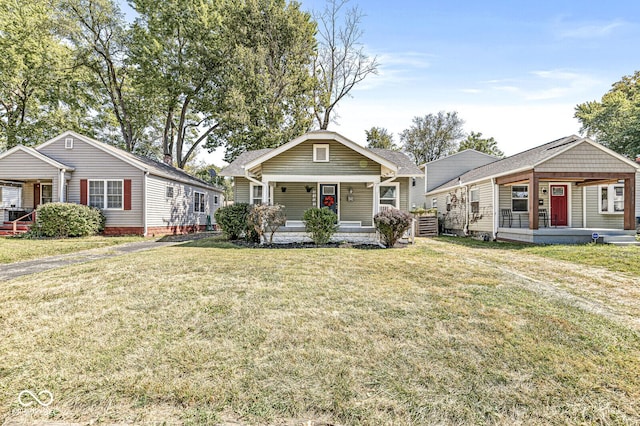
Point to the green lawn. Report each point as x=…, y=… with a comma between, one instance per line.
x=615, y=258
x=435, y=333
x=18, y=249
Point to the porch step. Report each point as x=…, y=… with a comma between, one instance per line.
x=6, y=229
x=621, y=240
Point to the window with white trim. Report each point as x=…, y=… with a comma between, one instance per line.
x=68, y=143
x=198, y=202
x=321, y=152
x=46, y=193
x=389, y=195
x=612, y=199
x=255, y=194
x=434, y=203
x=215, y=200
x=169, y=192
x=106, y=194
x=447, y=202
x=474, y=198
x=520, y=198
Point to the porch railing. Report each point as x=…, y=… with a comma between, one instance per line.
x=22, y=219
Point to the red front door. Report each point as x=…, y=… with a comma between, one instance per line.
x=559, y=205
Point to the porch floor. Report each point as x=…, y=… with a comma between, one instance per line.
x=559, y=235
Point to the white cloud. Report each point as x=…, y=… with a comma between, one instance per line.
x=588, y=30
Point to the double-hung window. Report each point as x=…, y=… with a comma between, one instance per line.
x=106, y=194
x=389, y=195
x=612, y=199
x=256, y=194
x=520, y=198
x=198, y=202
x=474, y=197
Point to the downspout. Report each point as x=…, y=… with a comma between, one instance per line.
x=145, y=230
x=584, y=206
x=61, y=196
x=495, y=208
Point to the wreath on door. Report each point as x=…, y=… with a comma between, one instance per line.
x=328, y=201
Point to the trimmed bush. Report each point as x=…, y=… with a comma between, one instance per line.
x=266, y=218
x=392, y=223
x=61, y=220
x=233, y=220
x=321, y=224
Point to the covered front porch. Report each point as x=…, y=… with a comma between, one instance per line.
x=564, y=207
x=354, y=200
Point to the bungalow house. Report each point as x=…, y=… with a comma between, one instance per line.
x=325, y=169
x=137, y=195
x=560, y=192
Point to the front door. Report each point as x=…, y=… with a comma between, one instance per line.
x=329, y=196
x=559, y=205
x=36, y=195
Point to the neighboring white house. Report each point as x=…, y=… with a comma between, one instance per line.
x=137, y=195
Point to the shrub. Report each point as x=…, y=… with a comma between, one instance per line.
x=321, y=224
x=266, y=218
x=233, y=220
x=62, y=220
x=392, y=223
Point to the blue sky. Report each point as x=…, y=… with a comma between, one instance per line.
x=513, y=70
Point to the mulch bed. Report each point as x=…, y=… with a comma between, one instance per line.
x=251, y=244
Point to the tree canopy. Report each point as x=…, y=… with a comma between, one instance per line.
x=474, y=140
x=379, y=137
x=41, y=92
x=432, y=136
x=614, y=121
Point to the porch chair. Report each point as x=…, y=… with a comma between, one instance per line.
x=542, y=216
x=506, y=214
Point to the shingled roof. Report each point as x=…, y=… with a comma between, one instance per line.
x=519, y=161
x=406, y=167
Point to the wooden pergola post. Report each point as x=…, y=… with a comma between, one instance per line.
x=534, y=188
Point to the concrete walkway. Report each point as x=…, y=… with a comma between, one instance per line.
x=14, y=270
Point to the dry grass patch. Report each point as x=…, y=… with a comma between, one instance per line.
x=19, y=249
x=347, y=336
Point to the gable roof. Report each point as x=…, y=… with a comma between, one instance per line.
x=406, y=167
x=393, y=160
x=460, y=153
x=40, y=156
x=144, y=164
x=526, y=160
x=322, y=135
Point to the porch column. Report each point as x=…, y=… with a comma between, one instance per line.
x=534, y=188
x=265, y=192
x=629, y=197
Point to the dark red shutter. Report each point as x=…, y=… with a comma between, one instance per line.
x=83, y=191
x=36, y=195
x=127, y=194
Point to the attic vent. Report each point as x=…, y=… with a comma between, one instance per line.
x=68, y=143
x=570, y=141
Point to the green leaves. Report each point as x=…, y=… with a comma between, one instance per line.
x=615, y=120
x=487, y=145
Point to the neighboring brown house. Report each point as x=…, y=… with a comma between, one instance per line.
x=560, y=192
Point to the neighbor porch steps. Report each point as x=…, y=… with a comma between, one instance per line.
x=6, y=229
x=621, y=240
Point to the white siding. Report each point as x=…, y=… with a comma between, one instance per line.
x=92, y=163
x=483, y=221
x=178, y=210
x=441, y=171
